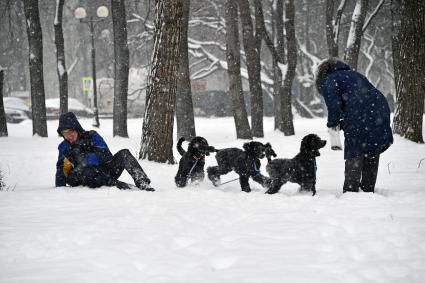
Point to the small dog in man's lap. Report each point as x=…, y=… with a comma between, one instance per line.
x=191, y=165
x=301, y=169
x=246, y=163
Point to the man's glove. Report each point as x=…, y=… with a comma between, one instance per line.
x=83, y=146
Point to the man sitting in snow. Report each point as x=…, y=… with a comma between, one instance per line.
x=85, y=159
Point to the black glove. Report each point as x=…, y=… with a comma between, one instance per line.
x=84, y=146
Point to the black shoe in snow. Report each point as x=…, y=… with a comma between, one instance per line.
x=145, y=187
x=123, y=186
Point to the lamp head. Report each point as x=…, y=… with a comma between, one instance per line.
x=80, y=13
x=102, y=12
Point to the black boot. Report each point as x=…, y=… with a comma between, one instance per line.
x=144, y=186
x=122, y=185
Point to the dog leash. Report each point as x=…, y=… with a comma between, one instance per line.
x=253, y=167
x=229, y=181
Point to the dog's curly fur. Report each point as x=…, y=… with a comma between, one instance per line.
x=191, y=165
x=301, y=169
x=246, y=163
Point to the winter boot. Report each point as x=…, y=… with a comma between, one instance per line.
x=122, y=186
x=144, y=186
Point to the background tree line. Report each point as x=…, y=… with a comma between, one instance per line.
x=273, y=45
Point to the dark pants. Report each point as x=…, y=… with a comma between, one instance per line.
x=361, y=173
x=108, y=174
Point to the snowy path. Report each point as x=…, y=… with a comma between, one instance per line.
x=207, y=234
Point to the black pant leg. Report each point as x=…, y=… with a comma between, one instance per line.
x=123, y=159
x=116, y=165
x=353, y=173
x=91, y=177
x=369, y=172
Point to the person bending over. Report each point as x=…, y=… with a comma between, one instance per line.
x=362, y=112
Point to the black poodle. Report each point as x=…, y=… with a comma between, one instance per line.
x=191, y=165
x=301, y=169
x=246, y=163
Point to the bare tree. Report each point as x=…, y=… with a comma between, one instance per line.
x=184, y=104
x=60, y=58
x=240, y=116
x=409, y=67
x=352, y=50
x=333, y=21
x=35, y=41
x=254, y=69
x=291, y=47
x=157, y=137
x=13, y=46
x=121, y=68
x=284, y=66
x=3, y=122
x=277, y=48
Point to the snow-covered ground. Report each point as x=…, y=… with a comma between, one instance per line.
x=207, y=234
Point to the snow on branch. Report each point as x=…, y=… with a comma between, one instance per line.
x=210, y=22
x=338, y=16
x=367, y=22
x=198, y=50
x=368, y=52
x=314, y=59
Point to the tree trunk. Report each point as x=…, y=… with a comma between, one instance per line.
x=35, y=41
x=291, y=46
x=184, y=105
x=60, y=57
x=254, y=69
x=3, y=123
x=330, y=29
x=409, y=67
x=279, y=43
x=332, y=26
x=121, y=68
x=240, y=116
x=157, y=137
x=351, y=54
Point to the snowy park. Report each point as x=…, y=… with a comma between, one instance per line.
x=203, y=233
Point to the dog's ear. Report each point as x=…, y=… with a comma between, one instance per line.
x=269, y=150
x=306, y=143
x=247, y=146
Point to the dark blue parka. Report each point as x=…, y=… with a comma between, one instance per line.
x=356, y=106
x=90, y=150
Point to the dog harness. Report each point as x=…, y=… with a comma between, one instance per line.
x=195, y=161
x=314, y=167
x=255, y=169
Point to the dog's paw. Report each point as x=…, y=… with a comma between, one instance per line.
x=246, y=190
x=215, y=180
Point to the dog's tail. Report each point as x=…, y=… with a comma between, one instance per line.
x=179, y=146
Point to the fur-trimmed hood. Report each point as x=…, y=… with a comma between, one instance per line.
x=327, y=66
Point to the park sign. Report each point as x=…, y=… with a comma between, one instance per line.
x=87, y=84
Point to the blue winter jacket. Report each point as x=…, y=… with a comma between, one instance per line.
x=89, y=150
x=357, y=107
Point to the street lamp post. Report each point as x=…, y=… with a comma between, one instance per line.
x=81, y=14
